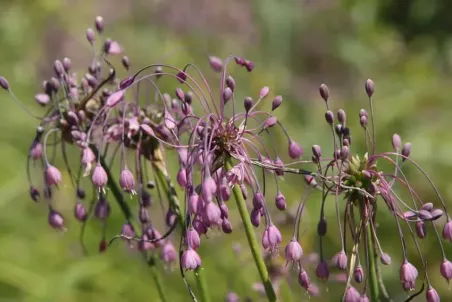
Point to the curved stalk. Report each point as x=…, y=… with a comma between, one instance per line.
x=254, y=246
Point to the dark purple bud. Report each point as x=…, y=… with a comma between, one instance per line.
x=322, y=272
x=190, y=260
x=329, y=117
x=280, y=202
x=227, y=94
x=255, y=217
x=199, y=226
x=424, y=215
x=126, y=83
x=182, y=177
x=99, y=23
x=230, y=82
x=99, y=177
x=102, y=209
x=146, y=199
x=226, y=226
x=295, y=151
x=385, y=259
x=446, y=269
x=406, y=150
x=125, y=62
x=58, y=68
x=34, y=194
x=249, y=65
x=224, y=210
x=212, y=213
x=303, y=279
x=358, y=274
x=168, y=254
x=317, y=152
x=192, y=239
x=322, y=227
x=4, y=83
x=258, y=200
x=396, y=142
x=216, y=63
x=340, y=260
x=239, y=61
x=324, y=92
x=432, y=295
x=436, y=214
x=225, y=191
x=293, y=251
x=80, y=212
x=271, y=238
x=52, y=176
x=408, y=275
x=248, y=103
x=351, y=295
x=370, y=87
x=181, y=76
x=447, y=230
x=56, y=220
x=277, y=101
x=341, y=116
x=421, y=229
x=264, y=92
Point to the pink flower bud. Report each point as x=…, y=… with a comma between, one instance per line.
x=248, y=103
x=52, y=176
x=227, y=94
x=280, y=202
x=358, y=274
x=351, y=295
x=36, y=150
x=102, y=209
x=432, y=295
x=324, y=92
x=80, y=212
x=406, y=150
x=230, y=82
x=255, y=217
x=408, y=275
x=340, y=260
x=209, y=188
x=258, y=200
x=329, y=117
x=226, y=226
x=385, y=259
x=190, y=260
x=4, y=83
x=115, y=98
x=181, y=77
x=271, y=238
x=182, y=177
x=396, y=142
x=270, y=122
x=99, y=23
x=264, y=92
x=193, y=204
x=421, y=229
x=212, y=214
x=192, y=239
x=447, y=231
x=303, y=279
x=295, y=150
x=112, y=47
x=42, y=99
x=446, y=269
x=216, y=63
x=293, y=251
x=322, y=272
x=370, y=87
x=168, y=253
x=341, y=116
x=56, y=220
x=277, y=101
x=126, y=180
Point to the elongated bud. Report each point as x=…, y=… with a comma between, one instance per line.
x=216, y=63
x=248, y=103
x=421, y=229
x=212, y=214
x=249, y=65
x=209, y=189
x=80, y=212
x=58, y=68
x=99, y=176
x=432, y=295
x=255, y=217
x=324, y=92
x=341, y=260
x=226, y=226
x=396, y=142
x=52, y=176
x=295, y=151
x=385, y=259
x=363, y=121
x=370, y=87
x=280, y=202
x=406, y=150
x=258, y=200
x=264, y=92
x=271, y=238
x=115, y=98
x=193, y=204
x=182, y=177
x=277, y=101
x=192, y=239
x=230, y=82
x=341, y=116
x=270, y=122
x=168, y=254
x=329, y=117
x=4, y=83
x=67, y=64
x=99, y=23
x=303, y=279
x=126, y=180
x=227, y=94
x=446, y=269
x=322, y=227
x=358, y=274
x=447, y=231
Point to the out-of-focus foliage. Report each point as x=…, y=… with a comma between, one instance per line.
x=404, y=46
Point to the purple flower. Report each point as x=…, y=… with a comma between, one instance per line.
x=190, y=260
x=293, y=251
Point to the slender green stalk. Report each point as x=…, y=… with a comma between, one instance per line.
x=174, y=204
x=374, y=289
x=254, y=246
x=157, y=278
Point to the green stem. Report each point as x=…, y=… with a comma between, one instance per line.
x=372, y=266
x=254, y=246
x=174, y=204
x=157, y=278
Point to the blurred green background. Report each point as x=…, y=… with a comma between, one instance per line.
x=404, y=46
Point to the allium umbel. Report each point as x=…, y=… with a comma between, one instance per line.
x=219, y=142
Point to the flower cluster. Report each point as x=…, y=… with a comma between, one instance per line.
x=221, y=149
